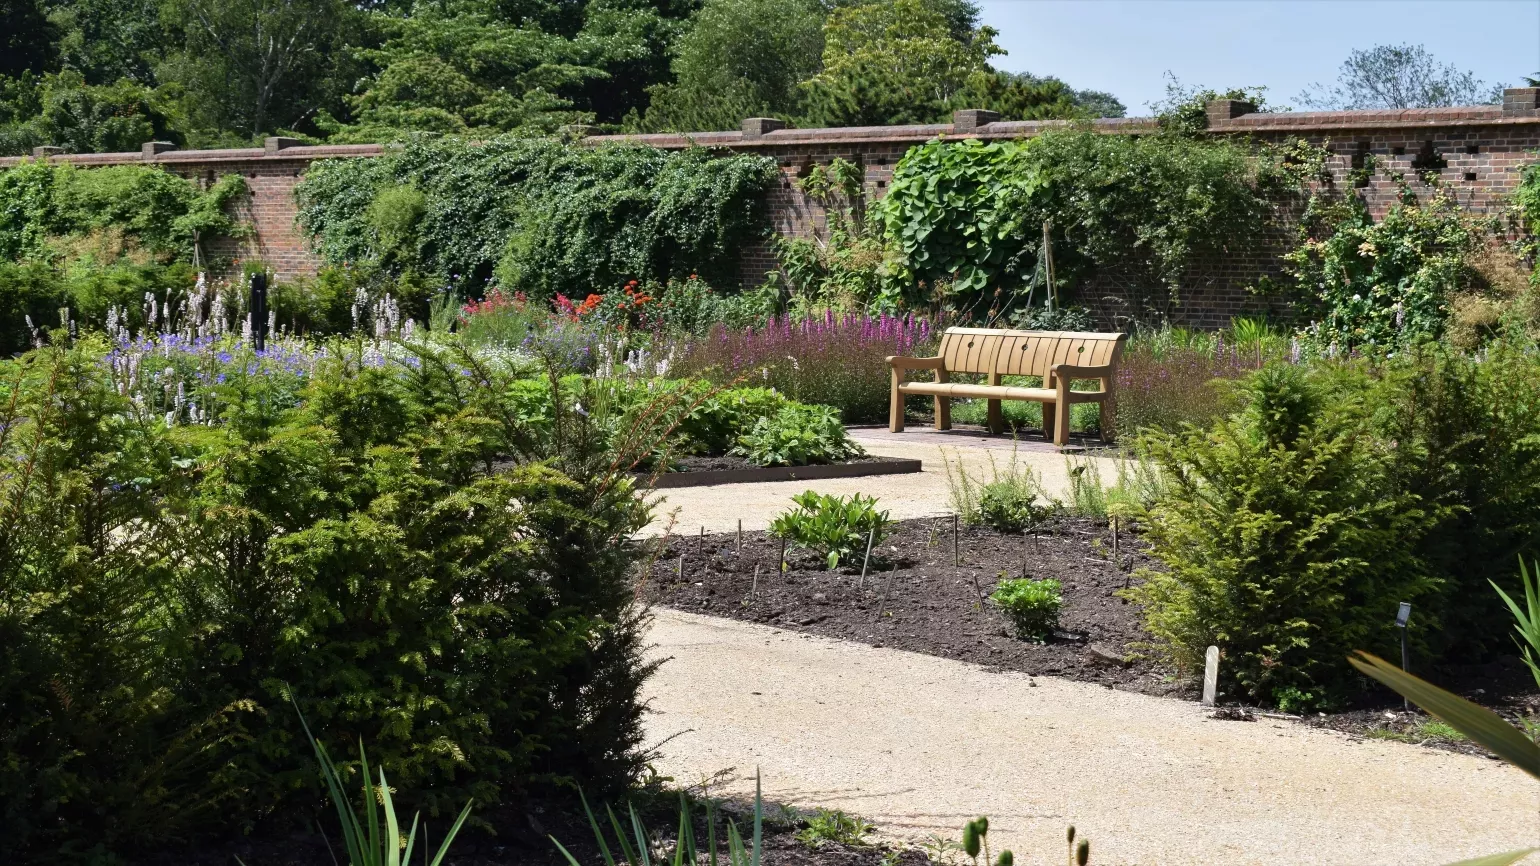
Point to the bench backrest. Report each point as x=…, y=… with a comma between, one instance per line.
x=1025, y=353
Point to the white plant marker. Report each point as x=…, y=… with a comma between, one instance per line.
x=1210, y=675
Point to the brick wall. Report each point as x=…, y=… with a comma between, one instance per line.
x=1477, y=151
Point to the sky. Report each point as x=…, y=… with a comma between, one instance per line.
x=1126, y=47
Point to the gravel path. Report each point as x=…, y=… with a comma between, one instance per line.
x=920, y=744
x=905, y=496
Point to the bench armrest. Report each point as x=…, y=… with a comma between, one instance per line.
x=1073, y=371
x=901, y=363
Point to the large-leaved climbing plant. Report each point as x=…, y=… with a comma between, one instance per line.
x=1147, y=207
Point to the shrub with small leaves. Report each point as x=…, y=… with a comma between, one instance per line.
x=1007, y=506
x=835, y=526
x=1032, y=605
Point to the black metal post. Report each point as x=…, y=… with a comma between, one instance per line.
x=1403, y=614
x=258, y=309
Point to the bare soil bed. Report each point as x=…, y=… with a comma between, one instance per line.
x=914, y=597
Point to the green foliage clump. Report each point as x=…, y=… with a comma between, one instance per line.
x=1032, y=605
x=61, y=109
x=1386, y=283
x=972, y=213
x=1286, y=538
x=833, y=825
x=836, y=527
x=104, y=214
x=798, y=434
x=37, y=290
x=162, y=588
x=546, y=217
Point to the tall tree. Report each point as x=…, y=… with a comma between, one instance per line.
x=250, y=65
x=740, y=58
x=893, y=62
x=26, y=38
x=1398, y=76
x=105, y=40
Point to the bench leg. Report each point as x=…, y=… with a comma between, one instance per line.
x=996, y=417
x=1047, y=421
x=943, y=413
x=1061, y=423
x=896, y=407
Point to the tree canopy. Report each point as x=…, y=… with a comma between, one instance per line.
x=1398, y=76
x=94, y=75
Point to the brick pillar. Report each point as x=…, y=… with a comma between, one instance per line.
x=1221, y=110
x=970, y=119
x=273, y=144
x=1521, y=102
x=759, y=127
x=149, y=149
x=46, y=151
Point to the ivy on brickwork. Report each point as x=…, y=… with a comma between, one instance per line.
x=538, y=215
x=1146, y=207
x=1526, y=204
x=60, y=213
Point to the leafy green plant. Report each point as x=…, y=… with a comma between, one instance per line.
x=371, y=841
x=1384, y=283
x=973, y=213
x=837, y=527
x=637, y=850
x=798, y=435
x=1032, y=605
x=1007, y=505
x=1526, y=619
x=833, y=825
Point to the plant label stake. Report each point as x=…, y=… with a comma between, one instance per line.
x=1210, y=675
x=700, y=546
x=754, y=587
x=956, y=549
x=870, y=537
x=740, y=538
x=1404, y=613
x=881, y=604
x=681, y=567
x=782, y=566
x=1115, y=538
x=1024, y=557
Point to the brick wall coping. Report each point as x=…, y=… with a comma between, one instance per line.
x=304, y=153
x=1263, y=122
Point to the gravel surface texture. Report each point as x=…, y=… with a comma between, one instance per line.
x=922, y=494
x=919, y=744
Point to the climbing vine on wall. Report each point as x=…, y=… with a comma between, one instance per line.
x=1152, y=206
x=539, y=215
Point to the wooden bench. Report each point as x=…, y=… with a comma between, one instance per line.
x=1058, y=357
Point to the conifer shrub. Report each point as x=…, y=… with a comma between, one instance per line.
x=1286, y=537
x=383, y=544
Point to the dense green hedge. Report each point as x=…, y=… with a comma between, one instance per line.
x=1293, y=529
x=541, y=216
x=163, y=590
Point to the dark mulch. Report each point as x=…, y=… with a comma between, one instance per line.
x=523, y=839
x=701, y=463
x=931, y=606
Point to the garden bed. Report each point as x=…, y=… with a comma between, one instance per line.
x=523, y=836
x=706, y=471
x=913, y=597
